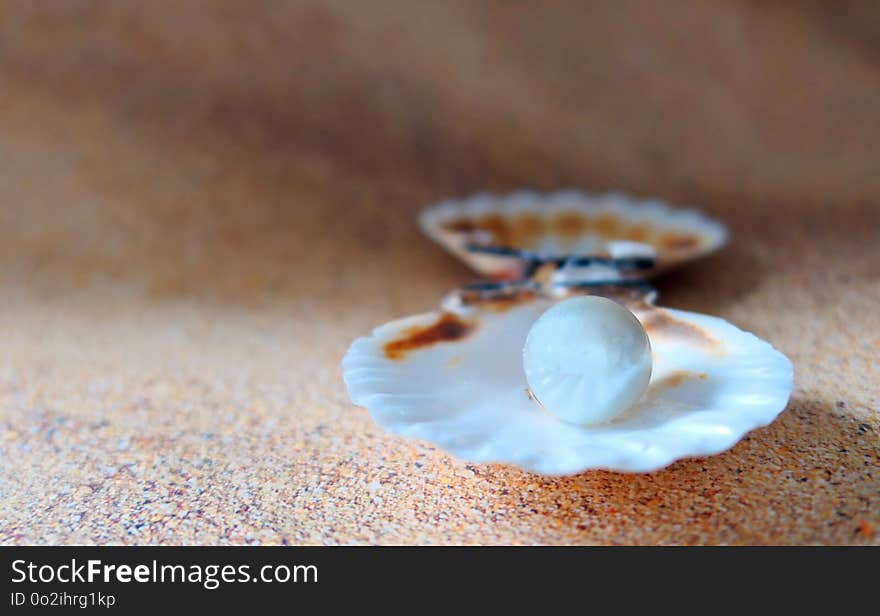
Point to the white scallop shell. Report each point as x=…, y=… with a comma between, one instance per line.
x=498, y=235
x=466, y=391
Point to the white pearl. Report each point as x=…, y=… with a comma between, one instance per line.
x=587, y=359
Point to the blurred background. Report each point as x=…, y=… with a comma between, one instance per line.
x=195, y=131
x=203, y=202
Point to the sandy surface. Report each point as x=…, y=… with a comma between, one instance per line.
x=204, y=203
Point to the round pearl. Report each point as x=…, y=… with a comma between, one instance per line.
x=587, y=359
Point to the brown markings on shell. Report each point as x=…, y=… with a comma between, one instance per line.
x=678, y=377
x=568, y=225
x=494, y=224
x=461, y=225
x=525, y=229
x=503, y=303
x=608, y=225
x=499, y=302
x=498, y=227
x=522, y=231
x=448, y=328
x=637, y=233
x=659, y=322
x=677, y=241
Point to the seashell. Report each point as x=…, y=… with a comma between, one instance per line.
x=455, y=378
x=506, y=237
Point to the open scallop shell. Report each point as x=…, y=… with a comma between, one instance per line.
x=504, y=236
x=455, y=378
